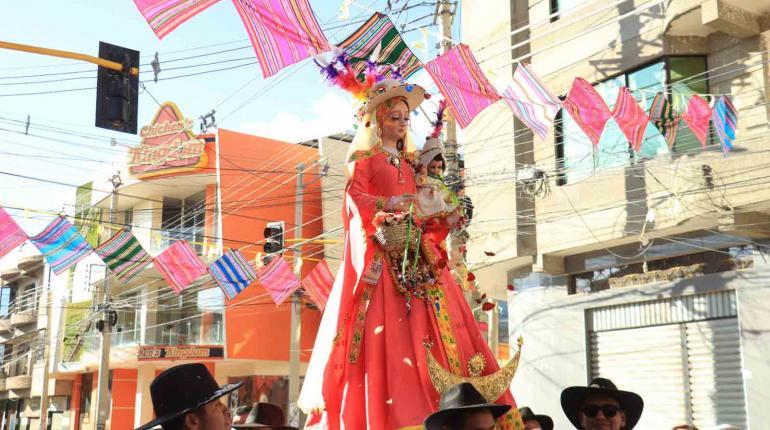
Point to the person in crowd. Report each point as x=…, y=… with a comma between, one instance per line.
x=186, y=397
x=601, y=406
x=462, y=407
x=533, y=421
x=264, y=416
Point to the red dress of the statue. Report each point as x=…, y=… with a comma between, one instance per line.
x=376, y=376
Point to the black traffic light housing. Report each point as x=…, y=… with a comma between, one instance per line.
x=117, y=93
x=274, y=237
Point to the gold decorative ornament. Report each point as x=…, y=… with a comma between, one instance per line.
x=491, y=386
x=477, y=364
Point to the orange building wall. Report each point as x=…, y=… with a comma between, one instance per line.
x=258, y=186
x=123, y=396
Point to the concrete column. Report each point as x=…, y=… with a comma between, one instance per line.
x=764, y=46
x=143, y=404
x=148, y=333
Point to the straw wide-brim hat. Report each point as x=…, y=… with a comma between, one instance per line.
x=390, y=88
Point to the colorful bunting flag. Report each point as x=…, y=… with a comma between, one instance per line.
x=631, y=119
x=379, y=32
x=61, y=244
x=124, y=255
x=697, y=116
x=278, y=279
x=725, y=120
x=179, y=265
x=663, y=118
x=282, y=32
x=531, y=101
x=11, y=235
x=232, y=272
x=166, y=15
x=588, y=109
x=463, y=84
x=318, y=284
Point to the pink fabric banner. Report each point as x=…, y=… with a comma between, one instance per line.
x=631, y=119
x=11, y=235
x=283, y=32
x=318, y=284
x=166, y=15
x=531, y=102
x=697, y=116
x=278, y=279
x=463, y=84
x=588, y=109
x=179, y=265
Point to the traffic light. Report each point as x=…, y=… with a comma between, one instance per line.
x=117, y=93
x=274, y=237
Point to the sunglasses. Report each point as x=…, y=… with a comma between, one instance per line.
x=608, y=411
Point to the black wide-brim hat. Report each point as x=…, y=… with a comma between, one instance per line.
x=460, y=398
x=572, y=399
x=182, y=389
x=544, y=420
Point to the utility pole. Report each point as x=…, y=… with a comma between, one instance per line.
x=445, y=12
x=296, y=302
x=106, y=316
x=46, y=353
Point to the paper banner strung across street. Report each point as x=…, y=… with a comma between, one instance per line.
x=232, y=272
x=697, y=116
x=663, y=118
x=179, y=265
x=61, y=244
x=166, y=15
x=379, y=31
x=124, y=255
x=278, y=279
x=282, y=32
x=463, y=84
x=588, y=109
x=318, y=284
x=531, y=101
x=725, y=120
x=631, y=119
x=11, y=235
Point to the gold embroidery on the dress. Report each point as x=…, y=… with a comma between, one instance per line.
x=444, y=323
x=358, y=324
x=477, y=364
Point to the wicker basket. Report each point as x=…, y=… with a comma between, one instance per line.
x=394, y=237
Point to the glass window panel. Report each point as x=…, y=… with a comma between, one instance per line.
x=613, y=147
x=562, y=5
x=578, y=151
x=688, y=77
x=644, y=84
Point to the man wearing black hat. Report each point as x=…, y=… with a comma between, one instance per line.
x=462, y=407
x=186, y=397
x=601, y=406
x=533, y=421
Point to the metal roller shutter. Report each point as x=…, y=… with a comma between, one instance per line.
x=648, y=361
x=716, y=381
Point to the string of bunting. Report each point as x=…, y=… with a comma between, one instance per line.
x=63, y=246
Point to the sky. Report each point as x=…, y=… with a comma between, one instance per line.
x=62, y=144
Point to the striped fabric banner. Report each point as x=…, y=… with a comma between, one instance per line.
x=11, y=235
x=380, y=31
x=463, y=84
x=278, y=279
x=179, y=265
x=124, y=255
x=531, y=101
x=698, y=116
x=318, y=284
x=61, y=244
x=166, y=15
x=283, y=32
x=232, y=272
x=725, y=120
x=588, y=109
x=631, y=119
x=663, y=118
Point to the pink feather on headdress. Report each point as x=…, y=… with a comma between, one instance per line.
x=439, y=124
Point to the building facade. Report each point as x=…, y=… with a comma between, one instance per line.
x=216, y=191
x=646, y=267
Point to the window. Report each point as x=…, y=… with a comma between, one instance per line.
x=192, y=318
x=184, y=219
x=5, y=301
x=577, y=159
x=562, y=5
